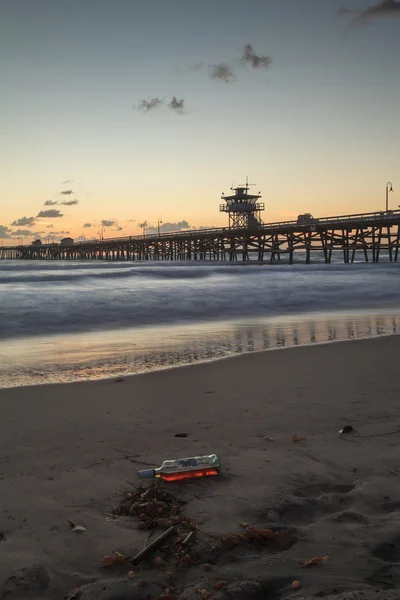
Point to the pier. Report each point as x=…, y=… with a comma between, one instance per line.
x=366, y=236
x=247, y=238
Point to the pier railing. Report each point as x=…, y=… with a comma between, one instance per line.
x=361, y=218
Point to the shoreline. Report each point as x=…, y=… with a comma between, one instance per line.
x=69, y=450
x=218, y=359
x=106, y=357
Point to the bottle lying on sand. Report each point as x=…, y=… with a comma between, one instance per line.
x=184, y=468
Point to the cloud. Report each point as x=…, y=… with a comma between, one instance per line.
x=70, y=202
x=50, y=202
x=4, y=232
x=255, y=61
x=50, y=213
x=174, y=104
x=82, y=238
x=147, y=105
x=167, y=227
x=222, y=72
x=119, y=229
x=23, y=221
x=108, y=223
x=49, y=226
x=86, y=225
x=383, y=8
x=24, y=233
x=67, y=192
x=67, y=181
x=177, y=105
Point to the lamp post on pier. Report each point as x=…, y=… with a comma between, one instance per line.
x=159, y=222
x=389, y=188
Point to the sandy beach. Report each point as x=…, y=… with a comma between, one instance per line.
x=69, y=451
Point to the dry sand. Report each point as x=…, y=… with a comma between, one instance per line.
x=66, y=450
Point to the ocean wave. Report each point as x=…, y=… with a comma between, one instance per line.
x=49, y=301
x=59, y=277
x=48, y=273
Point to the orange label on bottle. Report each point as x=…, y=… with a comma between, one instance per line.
x=178, y=476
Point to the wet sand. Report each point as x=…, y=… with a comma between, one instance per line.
x=67, y=451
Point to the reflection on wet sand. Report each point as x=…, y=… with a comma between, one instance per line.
x=96, y=356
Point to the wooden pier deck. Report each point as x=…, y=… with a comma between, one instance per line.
x=368, y=236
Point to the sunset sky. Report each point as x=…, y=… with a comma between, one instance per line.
x=126, y=111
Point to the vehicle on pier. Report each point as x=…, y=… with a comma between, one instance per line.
x=306, y=219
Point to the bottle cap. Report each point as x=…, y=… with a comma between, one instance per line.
x=146, y=473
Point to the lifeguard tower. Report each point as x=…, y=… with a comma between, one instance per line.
x=243, y=209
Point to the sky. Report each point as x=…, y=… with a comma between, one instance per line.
x=116, y=113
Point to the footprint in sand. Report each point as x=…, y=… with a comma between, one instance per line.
x=316, y=501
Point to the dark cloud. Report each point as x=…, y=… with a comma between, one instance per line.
x=253, y=60
x=222, y=72
x=4, y=232
x=49, y=226
x=23, y=221
x=25, y=233
x=50, y=213
x=67, y=192
x=383, y=8
x=70, y=202
x=50, y=202
x=177, y=105
x=107, y=223
x=119, y=229
x=67, y=181
x=59, y=232
x=167, y=227
x=86, y=225
x=147, y=105
x=174, y=104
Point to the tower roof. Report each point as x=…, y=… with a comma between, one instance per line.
x=242, y=194
x=243, y=208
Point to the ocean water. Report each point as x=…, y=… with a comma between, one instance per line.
x=65, y=321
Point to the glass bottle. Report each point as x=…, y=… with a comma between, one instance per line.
x=184, y=468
